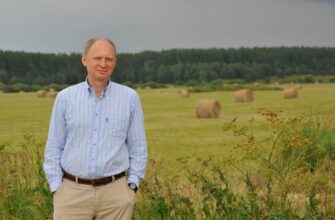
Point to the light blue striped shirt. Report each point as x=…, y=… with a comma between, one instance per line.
x=92, y=137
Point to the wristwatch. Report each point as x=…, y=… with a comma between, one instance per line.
x=133, y=186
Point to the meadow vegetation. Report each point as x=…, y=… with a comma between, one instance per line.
x=268, y=159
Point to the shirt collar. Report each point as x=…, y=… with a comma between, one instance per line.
x=106, y=91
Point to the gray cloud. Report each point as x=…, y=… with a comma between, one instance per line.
x=64, y=26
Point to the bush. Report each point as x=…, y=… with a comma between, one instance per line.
x=309, y=79
x=130, y=84
x=56, y=87
x=192, y=83
x=152, y=85
x=18, y=87
x=35, y=88
x=178, y=83
x=2, y=86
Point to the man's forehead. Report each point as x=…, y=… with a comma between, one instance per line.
x=101, y=44
x=102, y=48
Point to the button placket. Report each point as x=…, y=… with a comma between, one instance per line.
x=96, y=119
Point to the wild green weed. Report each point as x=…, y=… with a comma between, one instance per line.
x=25, y=194
x=287, y=174
x=294, y=164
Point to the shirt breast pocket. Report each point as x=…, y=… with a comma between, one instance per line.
x=118, y=126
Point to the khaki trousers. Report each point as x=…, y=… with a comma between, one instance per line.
x=74, y=201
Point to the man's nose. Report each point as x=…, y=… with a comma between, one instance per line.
x=103, y=62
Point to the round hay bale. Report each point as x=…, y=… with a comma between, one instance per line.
x=184, y=93
x=298, y=86
x=52, y=94
x=290, y=93
x=41, y=93
x=244, y=95
x=208, y=109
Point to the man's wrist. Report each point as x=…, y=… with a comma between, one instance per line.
x=133, y=187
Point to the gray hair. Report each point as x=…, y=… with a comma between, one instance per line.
x=91, y=41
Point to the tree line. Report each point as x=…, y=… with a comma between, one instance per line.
x=172, y=66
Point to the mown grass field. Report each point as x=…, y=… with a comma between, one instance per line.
x=174, y=136
x=173, y=131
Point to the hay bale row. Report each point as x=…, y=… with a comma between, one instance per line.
x=212, y=108
x=244, y=95
x=184, y=93
x=298, y=86
x=208, y=109
x=247, y=95
x=52, y=94
x=290, y=93
x=43, y=93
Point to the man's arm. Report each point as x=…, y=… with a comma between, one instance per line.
x=55, y=144
x=136, y=143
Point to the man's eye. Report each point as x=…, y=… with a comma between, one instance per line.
x=97, y=58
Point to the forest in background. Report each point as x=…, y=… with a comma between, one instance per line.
x=20, y=70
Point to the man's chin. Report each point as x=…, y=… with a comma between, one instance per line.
x=102, y=75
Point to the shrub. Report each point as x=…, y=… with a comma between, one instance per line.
x=55, y=87
x=192, y=83
x=152, y=85
x=130, y=84
x=18, y=87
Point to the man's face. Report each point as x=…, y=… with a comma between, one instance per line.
x=100, y=61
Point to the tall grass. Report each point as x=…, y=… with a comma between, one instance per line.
x=288, y=174
x=23, y=187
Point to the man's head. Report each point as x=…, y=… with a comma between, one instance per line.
x=99, y=58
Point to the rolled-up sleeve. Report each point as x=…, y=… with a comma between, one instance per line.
x=136, y=142
x=55, y=144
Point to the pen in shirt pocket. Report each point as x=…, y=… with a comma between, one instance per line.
x=106, y=119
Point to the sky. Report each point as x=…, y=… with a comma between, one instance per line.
x=63, y=26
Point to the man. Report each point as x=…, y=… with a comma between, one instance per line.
x=96, y=137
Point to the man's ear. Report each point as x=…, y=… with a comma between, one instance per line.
x=83, y=60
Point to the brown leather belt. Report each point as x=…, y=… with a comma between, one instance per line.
x=93, y=182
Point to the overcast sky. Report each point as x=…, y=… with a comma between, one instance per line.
x=136, y=25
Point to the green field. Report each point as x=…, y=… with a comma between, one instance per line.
x=173, y=131
x=181, y=181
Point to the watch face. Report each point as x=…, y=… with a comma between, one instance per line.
x=132, y=186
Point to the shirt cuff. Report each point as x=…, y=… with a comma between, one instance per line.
x=55, y=185
x=134, y=179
